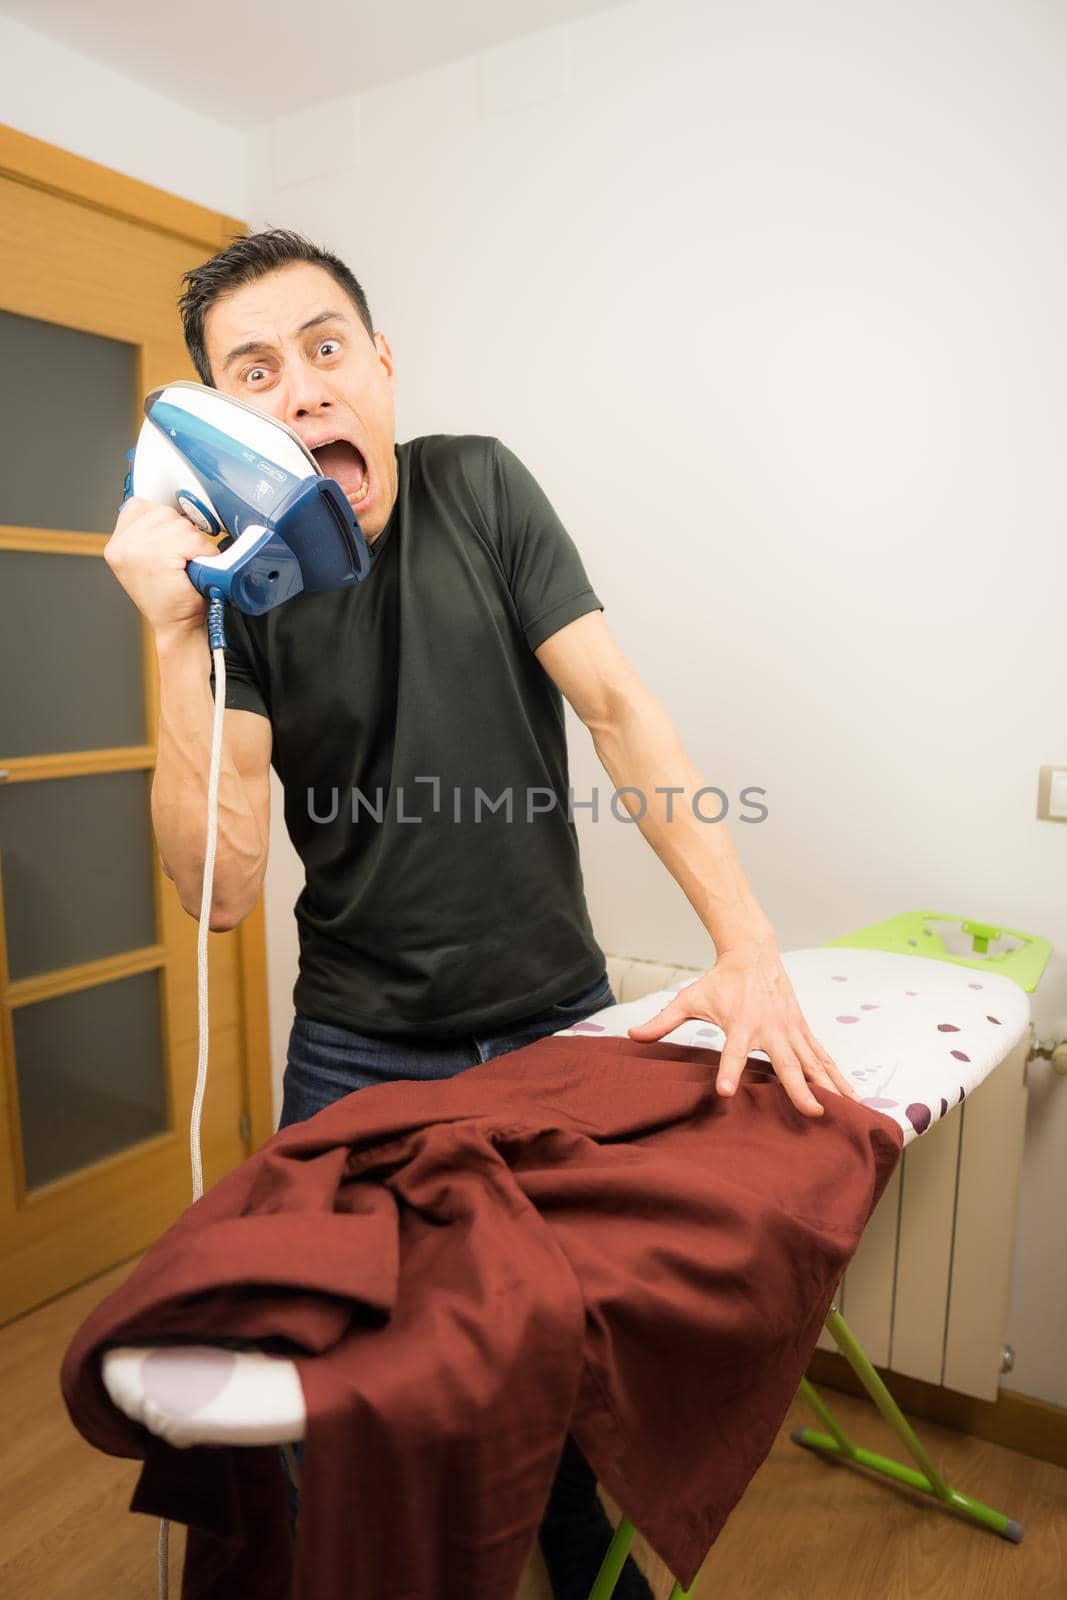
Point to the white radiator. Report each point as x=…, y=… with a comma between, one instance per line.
x=928, y=1290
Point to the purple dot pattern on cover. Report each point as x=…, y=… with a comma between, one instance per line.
x=183, y=1383
x=894, y=1055
x=917, y=1115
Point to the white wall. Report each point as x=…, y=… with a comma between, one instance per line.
x=65, y=98
x=770, y=300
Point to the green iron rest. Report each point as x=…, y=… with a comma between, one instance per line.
x=909, y=935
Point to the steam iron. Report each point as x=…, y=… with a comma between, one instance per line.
x=234, y=470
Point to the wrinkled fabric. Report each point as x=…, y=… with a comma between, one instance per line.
x=579, y=1236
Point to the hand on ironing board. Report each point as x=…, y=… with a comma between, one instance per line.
x=749, y=995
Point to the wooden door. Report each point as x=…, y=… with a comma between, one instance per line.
x=97, y=957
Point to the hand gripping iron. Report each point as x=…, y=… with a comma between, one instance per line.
x=232, y=469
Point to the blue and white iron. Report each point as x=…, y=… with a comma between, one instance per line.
x=232, y=469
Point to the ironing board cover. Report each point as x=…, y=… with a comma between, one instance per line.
x=914, y=1037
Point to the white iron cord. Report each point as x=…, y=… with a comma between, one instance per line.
x=219, y=658
x=195, y=1157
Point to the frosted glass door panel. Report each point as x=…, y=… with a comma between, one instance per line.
x=68, y=414
x=90, y=1075
x=75, y=854
x=70, y=657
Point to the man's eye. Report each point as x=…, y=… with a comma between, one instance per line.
x=252, y=371
x=326, y=346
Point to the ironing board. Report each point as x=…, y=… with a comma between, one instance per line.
x=913, y=1036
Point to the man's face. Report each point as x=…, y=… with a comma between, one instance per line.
x=292, y=344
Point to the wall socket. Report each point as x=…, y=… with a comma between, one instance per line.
x=1052, y=794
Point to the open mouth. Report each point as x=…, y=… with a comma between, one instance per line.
x=342, y=461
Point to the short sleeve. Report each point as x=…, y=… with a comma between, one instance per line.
x=246, y=689
x=544, y=571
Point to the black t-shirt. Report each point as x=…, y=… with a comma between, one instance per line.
x=416, y=695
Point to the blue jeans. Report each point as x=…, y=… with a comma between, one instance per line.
x=326, y=1062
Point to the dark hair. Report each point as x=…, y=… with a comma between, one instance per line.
x=246, y=258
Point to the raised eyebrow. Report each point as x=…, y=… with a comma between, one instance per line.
x=323, y=316
x=253, y=347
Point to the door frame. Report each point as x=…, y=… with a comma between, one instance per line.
x=45, y=166
x=42, y=166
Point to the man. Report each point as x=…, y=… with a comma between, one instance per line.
x=415, y=721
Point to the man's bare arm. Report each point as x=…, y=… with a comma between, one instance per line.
x=636, y=740
x=748, y=992
x=148, y=552
x=179, y=788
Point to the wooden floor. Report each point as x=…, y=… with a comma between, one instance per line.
x=805, y=1530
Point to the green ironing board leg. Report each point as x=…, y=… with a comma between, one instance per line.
x=835, y=1441
x=615, y=1560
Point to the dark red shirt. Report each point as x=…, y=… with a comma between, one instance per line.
x=580, y=1236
